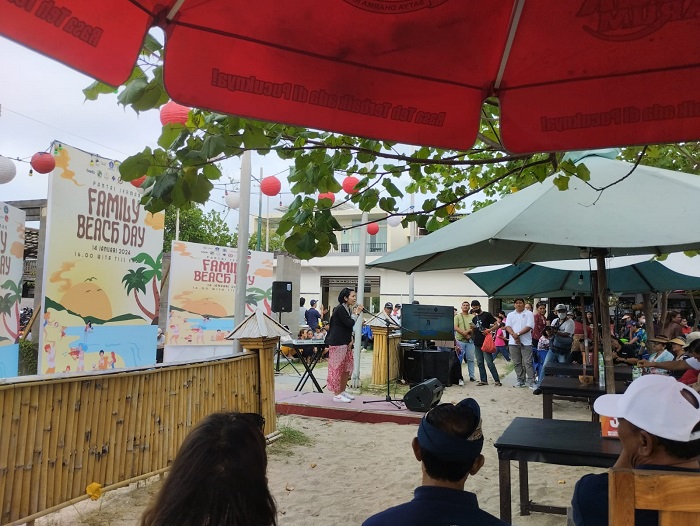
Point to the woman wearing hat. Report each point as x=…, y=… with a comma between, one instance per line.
x=658, y=353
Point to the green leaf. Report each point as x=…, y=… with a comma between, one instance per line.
x=213, y=146
x=211, y=172
x=561, y=182
x=135, y=166
x=582, y=172
x=96, y=89
x=170, y=133
x=391, y=188
x=133, y=91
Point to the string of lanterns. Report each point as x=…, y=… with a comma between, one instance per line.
x=41, y=162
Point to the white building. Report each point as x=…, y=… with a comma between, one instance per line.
x=323, y=278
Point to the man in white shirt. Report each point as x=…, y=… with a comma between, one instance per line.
x=519, y=325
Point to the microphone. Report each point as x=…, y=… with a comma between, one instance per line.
x=366, y=311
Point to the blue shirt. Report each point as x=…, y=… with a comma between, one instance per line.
x=312, y=317
x=436, y=506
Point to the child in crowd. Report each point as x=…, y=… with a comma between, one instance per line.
x=501, y=342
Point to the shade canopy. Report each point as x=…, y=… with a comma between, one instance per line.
x=542, y=223
x=627, y=274
x=567, y=75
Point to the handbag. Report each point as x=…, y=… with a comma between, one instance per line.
x=489, y=345
x=561, y=344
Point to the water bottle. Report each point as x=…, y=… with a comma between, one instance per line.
x=601, y=371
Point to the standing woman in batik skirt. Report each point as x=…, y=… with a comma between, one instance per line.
x=339, y=340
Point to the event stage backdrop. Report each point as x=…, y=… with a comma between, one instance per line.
x=102, y=269
x=11, y=262
x=201, y=298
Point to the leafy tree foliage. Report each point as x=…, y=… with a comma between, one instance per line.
x=197, y=226
x=181, y=170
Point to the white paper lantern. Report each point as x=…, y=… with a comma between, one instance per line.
x=394, y=220
x=8, y=170
x=233, y=199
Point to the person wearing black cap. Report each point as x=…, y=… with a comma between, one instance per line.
x=388, y=312
x=483, y=323
x=312, y=316
x=448, y=446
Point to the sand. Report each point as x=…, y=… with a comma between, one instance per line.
x=352, y=470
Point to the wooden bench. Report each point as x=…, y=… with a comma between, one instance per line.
x=673, y=493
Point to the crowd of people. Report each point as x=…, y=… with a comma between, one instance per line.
x=219, y=475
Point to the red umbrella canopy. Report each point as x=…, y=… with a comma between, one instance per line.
x=568, y=75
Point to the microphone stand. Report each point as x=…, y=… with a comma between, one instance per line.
x=389, y=322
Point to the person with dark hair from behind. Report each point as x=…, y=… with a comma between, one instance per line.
x=218, y=477
x=448, y=446
x=658, y=427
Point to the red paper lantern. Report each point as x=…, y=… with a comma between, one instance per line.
x=173, y=113
x=349, y=184
x=270, y=186
x=327, y=195
x=372, y=229
x=138, y=182
x=43, y=162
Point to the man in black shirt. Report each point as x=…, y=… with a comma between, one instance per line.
x=482, y=324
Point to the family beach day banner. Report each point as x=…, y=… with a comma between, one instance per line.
x=11, y=264
x=201, y=298
x=102, y=269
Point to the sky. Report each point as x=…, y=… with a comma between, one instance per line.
x=41, y=101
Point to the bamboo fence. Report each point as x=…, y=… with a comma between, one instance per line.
x=58, y=435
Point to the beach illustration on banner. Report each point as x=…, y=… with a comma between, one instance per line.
x=102, y=270
x=11, y=269
x=202, y=292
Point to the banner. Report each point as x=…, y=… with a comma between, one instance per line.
x=102, y=269
x=201, y=298
x=11, y=264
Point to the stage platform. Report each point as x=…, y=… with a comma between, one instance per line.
x=321, y=405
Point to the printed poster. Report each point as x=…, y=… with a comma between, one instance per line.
x=11, y=264
x=102, y=269
x=201, y=298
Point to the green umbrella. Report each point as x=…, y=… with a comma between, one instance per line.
x=542, y=223
x=625, y=275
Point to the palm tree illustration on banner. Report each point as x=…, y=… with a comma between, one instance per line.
x=7, y=302
x=136, y=280
x=254, y=295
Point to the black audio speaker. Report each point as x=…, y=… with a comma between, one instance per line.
x=281, y=296
x=413, y=366
x=420, y=365
x=424, y=396
x=436, y=364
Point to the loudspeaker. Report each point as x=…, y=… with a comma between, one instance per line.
x=436, y=364
x=281, y=296
x=424, y=396
x=413, y=366
x=419, y=365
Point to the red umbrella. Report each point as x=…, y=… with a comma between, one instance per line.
x=568, y=75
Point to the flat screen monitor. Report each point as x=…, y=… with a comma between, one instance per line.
x=427, y=322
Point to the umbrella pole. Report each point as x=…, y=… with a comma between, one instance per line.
x=596, y=333
x=585, y=339
x=606, y=339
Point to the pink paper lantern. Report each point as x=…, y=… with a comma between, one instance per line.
x=173, y=113
x=270, y=186
x=349, y=184
x=138, y=182
x=327, y=195
x=43, y=162
x=373, y=229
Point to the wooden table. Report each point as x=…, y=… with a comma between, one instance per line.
x=566, y=388
x=562, y=442
x=622, y=372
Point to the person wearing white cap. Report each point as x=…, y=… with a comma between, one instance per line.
x=658, y=427
x=160, y=345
